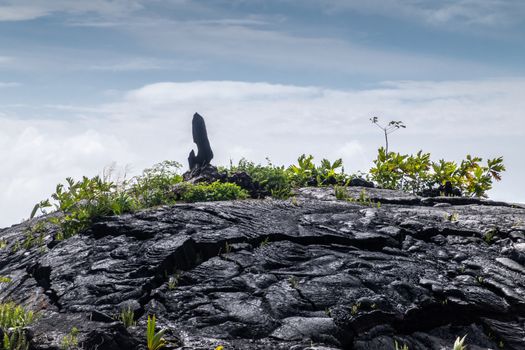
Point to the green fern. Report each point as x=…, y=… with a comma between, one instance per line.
x=17, y=340
x=13, y=316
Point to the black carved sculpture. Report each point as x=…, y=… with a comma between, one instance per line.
x=200, y=137
x=201, y=171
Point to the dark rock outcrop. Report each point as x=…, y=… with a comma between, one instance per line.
x=306, y=273
x=244, y=181
x=200, y=137
x=446, y=190
x=357, y=181
x=207, y=173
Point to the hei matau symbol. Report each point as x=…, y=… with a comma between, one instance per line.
x=200, y=137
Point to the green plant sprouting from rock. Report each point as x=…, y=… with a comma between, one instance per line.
x=14, y=316
x=173, y=281
x=83, y=201
x=155, y=185
x=127, y=317
x=279, y=181
x=273, y=179
x=341, y=193
x=79, y=203
x=415, y=173
x=70, y=340
x=306, y=173
x=389, y=128
x=399, y=347
x=155, y=340
x=459, y=344
x=13, y=319
x=17, y=340
x=216, y=191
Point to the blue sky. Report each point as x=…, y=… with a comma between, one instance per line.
x=87, y=83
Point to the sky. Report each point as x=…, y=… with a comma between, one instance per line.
x=85, y=85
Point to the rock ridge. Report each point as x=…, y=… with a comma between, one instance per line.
x=311, y=272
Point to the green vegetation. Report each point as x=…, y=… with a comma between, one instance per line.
x=13, y=318
x=16, y=247
x=453, y=217
x=389, y=128
x=80, y=203
x=328, y=312
x=16, y=341
x=154, y=340
x=279, y=181
x=265, y=242
x=415, y=173
x=173, y=281
x=488, y=237
x=306, y=173
x=70, y=341
x=34, y=235
x=398, y=347
x=341, y=193
x=127, y=317
x=459, y=343
x=216, y=191
x=272, y=179
x=155, y=185
x=84, y=201
x=355, y=309
x=363, y=199
x=227, y=248
x=293, y=282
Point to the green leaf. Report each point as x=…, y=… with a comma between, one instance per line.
x=154, y=340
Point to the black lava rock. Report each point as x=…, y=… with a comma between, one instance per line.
x=200, y=137
x=361, y=182
x=273, y=274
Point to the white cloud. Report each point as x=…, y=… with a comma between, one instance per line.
x=8, y=84
x=21, y=13
x=22, y=10
x=140, y=64
x=354, y=153
x=460, y=13
x=276, y=48
x=248, y=40
x=255, y=120
x=446, y=14
x=5, y=59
